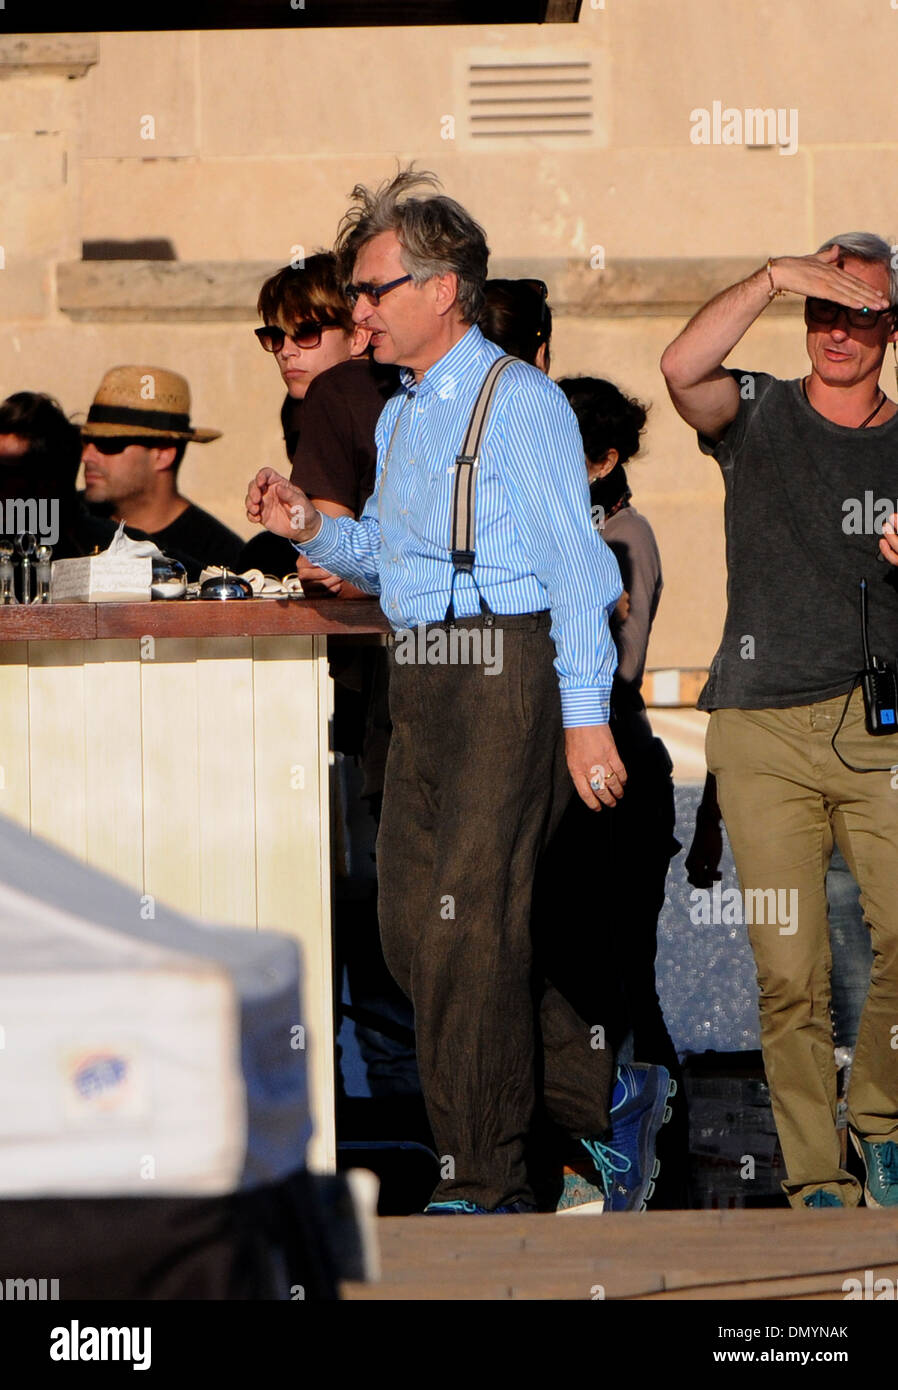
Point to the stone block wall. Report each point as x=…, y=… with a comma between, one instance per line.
x=231, y=149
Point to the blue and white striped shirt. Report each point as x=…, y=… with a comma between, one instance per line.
x=536, y=546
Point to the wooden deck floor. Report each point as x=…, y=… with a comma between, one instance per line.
x=737, y=1254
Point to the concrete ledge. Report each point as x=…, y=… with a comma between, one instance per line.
x=638, y=288
x=68, y=55
x=160, y=291
x=203, y=291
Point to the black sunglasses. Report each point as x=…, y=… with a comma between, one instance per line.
x=375, y=293
x=827, y=312
x=118, y=443
x=305, y=335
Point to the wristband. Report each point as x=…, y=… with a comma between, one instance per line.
x=773, y=292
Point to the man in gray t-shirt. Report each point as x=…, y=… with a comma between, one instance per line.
x=797, y=486
x=811, y=474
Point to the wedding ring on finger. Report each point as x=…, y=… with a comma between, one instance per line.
x=597, y=778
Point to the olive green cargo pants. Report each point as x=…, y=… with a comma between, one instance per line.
x=785, y=797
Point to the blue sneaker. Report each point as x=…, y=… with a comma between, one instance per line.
x=822, y=1199
x=626, y=1162
x=462, y=1208
x=881, y=1163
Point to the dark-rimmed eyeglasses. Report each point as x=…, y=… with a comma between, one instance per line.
x=827, y=312
x=305, y=335
x=374, y=293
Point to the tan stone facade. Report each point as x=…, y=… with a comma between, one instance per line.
x=237, y=148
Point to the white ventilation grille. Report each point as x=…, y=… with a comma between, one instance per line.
x=510, y=100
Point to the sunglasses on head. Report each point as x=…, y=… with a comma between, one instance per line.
x=827, y=312
x=523, y=305
x=541, y=288
x=305, y=335
x=118, y=443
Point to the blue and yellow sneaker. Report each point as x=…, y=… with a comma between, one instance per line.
x=625, y=1162
x=881, y=1163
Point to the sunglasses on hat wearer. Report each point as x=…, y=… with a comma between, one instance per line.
x=305, y=335
x=118, y=443
x=827, y=312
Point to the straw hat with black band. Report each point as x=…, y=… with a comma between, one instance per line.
x=121, y=409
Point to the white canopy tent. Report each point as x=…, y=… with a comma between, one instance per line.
x=151, y=1066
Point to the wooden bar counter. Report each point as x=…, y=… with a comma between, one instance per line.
x=183, y=747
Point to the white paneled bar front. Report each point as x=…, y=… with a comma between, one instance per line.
x=193, y=767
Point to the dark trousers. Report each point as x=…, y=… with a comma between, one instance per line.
x=598, y=892
x=613, y=867
x=476, y=781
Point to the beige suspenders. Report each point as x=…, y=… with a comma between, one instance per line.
x=466, y=465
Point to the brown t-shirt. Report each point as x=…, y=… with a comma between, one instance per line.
x=335, y=460
x=290, y=421
x=336, y=455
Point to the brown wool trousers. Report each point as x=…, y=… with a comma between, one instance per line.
x=785, y=798
x=476, y=781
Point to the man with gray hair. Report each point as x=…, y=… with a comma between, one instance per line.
x=789, y=741
x=480, y=761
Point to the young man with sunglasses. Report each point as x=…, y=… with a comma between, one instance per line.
x=137, y=430
x=335, y=393
x=787, y=741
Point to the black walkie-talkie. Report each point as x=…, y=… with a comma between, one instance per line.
x=879, y=684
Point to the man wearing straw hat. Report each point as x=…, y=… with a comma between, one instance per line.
x=136, y=432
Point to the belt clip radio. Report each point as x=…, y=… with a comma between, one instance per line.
x=879, y=684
